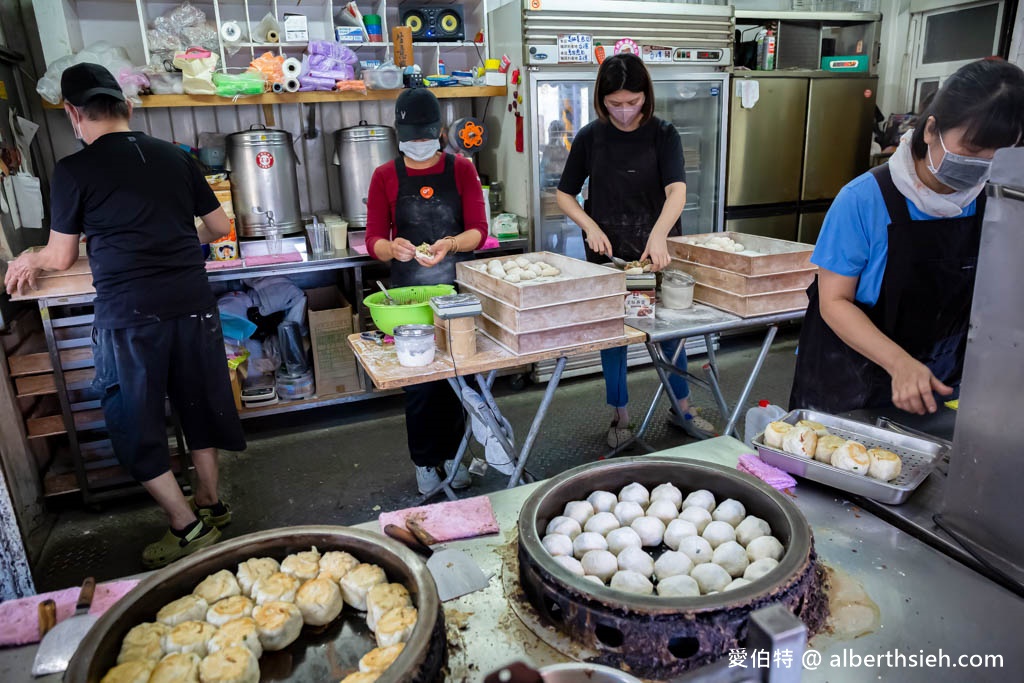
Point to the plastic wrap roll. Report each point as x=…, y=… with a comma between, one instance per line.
x=292, y=85
x=273, y=36
x=278, y=87
x=291, y=68
x=230, y=32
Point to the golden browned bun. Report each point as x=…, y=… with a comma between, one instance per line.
x=319, y=600
x=885, y=465
x=380, y=658
x=278, y=624
x=129, y=672
x=230, y=665
x=218, y=586
x=177, y=667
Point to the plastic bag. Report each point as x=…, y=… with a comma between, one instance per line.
x=351, y=86
x=251, y=82
x=185, y=15
x=133, y=80
x=269, y=65
x=115, y=59
x=203, y=35
x=333, y=50
x=197, y=67
x=163, y=43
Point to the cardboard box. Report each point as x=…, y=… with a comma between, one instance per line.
x=330, y=324
x=295, y=28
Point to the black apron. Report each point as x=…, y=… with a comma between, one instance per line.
x=924, y=305
x=626, y=193
x=429, y=207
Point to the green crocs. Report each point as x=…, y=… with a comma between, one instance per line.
x=206, y=514
x=172, y=547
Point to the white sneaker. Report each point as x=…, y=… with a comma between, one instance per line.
x=427, y=479
x=462, y=479
x=618, y=436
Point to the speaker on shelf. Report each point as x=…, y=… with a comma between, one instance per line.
x=435, y=24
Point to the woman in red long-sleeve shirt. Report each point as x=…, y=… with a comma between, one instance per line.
x=425, y=196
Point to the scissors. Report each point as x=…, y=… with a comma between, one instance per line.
x=376, y=336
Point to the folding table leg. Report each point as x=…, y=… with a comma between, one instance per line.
x=542, y=410
x=749, y=386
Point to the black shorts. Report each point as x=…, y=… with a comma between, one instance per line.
x=182, y=358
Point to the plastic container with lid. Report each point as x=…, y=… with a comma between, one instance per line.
x=414, y=345
x=676, y=290
x=492, y=73
x=758, y=419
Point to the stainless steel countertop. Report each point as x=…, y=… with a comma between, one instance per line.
x=928, y=602
x=700, y=319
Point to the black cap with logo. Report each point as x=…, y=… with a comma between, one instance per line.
x=417, y=115
x=82, y=82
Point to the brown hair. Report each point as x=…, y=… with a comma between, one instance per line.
x=624, y=71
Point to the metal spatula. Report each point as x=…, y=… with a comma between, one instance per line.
x=454, y=572
x=60, y=643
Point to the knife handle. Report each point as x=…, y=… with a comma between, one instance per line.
x=419, y=532
x=47, y=617
x=406, y=538
x=85, y=595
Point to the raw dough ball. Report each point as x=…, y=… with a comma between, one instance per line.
x=818, y=428
x=537, y=268
x=775, y=432
x=603, y=501
x=731, y=511
x=710, y=577
x=750, y=528
x=600, y=563
x=594, y=579
x=677, y=530
x=697, y=516
x=736, y=583
x=679, y=586
x=557, y=544
x=587, y=541
x=632, y=582
x=636, y=493
x=765, y=546
x=801, y=441
x=522, y=262
x=701, y=498
x=667, y=492
x=548, y=271
x=827, y=445
x=852, y=457
x=602, y=523
x=564, y=525
x=718, y=533
x=759, y=568
x=622, y=538
x=514, y=277
x=650, y=529
x=885, y=465
x=665, y=510
x=696, y=548
x=627, y=511
x=527, y=274
x=495, y=263
x=731, y=557
x=672, y=563
x=570, y=563
x=637, y=560
x=580, y=510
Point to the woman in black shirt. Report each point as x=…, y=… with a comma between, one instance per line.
x=637, y=192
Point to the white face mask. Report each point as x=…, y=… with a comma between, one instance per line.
x=419, y=150
x=75, y=128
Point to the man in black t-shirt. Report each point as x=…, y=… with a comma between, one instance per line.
x=156, y=331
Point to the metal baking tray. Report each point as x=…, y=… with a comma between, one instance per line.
x=920, y=456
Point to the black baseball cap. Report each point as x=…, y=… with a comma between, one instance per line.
x=82, y=82
x=417, y=115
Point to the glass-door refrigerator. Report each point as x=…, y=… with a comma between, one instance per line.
x=562, y=103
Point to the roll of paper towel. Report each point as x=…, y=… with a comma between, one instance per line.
x=230, y=32
x=277, y=87
x=292, y=85
x=273, y=36
x=291, y=68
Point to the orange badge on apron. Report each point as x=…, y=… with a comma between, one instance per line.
x=426, y=192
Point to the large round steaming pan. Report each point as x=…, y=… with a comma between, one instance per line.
x=318, y=655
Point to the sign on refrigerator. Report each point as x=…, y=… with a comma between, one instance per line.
x=575, y=48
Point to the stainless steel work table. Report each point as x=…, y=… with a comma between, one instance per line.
x=927, y=601
x=701, y=320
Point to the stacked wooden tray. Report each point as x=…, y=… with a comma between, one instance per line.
x=583, y=303
x=770, y=276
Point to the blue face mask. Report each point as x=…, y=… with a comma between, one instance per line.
x=419, y=150
x=958, y=171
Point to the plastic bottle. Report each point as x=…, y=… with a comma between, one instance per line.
x=758, y=418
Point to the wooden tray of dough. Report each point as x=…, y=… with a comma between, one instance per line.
x=772, y=255
x=546, y=317
x=754, y=305
x=578, y=280
x=746, y=285
x=560, y=337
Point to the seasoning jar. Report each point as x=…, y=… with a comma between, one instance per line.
x=676, y=290
x=414, y=345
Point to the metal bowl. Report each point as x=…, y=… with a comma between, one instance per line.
x=657, y=636
x=318, y=654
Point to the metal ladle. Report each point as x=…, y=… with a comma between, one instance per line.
x=391, y=302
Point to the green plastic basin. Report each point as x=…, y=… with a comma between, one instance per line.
x=413, y=307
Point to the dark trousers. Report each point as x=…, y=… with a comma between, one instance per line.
x=434, y=423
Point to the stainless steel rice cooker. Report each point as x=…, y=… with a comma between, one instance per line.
x=264, y=187
x=361, y=149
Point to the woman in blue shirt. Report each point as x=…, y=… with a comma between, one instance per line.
x=888, y=314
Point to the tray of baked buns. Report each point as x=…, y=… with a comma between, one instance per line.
x=852, y=456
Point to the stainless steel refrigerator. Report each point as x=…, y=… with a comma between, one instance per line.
x=691, y=91
x=807, y=135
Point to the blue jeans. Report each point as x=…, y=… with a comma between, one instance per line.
x=613, y=364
